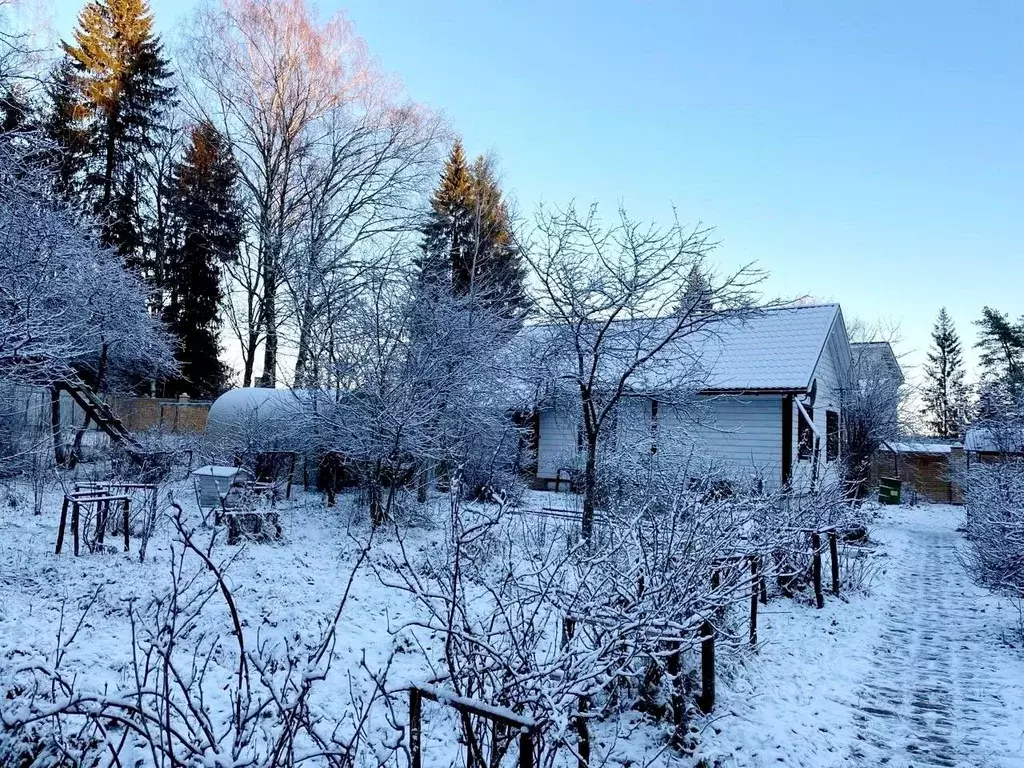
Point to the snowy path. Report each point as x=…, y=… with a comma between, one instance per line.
x=920, y=673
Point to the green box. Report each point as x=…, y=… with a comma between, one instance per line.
x=889, y=490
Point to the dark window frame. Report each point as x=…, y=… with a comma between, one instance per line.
x=805, y=434
x=831, y=435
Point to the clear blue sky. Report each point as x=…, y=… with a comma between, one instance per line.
x=865, y=153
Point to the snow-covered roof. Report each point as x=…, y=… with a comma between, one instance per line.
x=994, y=440
x=773, y=349
x=920, y=447
x=258, y=416
x=767, y=350
x=875, y=359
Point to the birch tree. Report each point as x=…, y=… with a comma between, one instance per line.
x=327, y=153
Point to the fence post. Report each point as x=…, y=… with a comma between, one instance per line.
x=819, y=599
x=674, y=665
x=583, y=733
x=525, y=749
x=706, y=701
x=415, y=729
x=755, y=582
x=74, y=524
x=125, y=509
x=833, y=548
x=101, y=520
x=63, y=524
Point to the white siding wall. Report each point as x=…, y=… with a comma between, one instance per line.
x=557, y=445
x=738, y=436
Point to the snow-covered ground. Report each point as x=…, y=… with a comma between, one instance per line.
x=923, y=670
x=917, y=670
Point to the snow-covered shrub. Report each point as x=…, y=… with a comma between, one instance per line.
x=551, y=625
x=994, y=521
x=203, y=689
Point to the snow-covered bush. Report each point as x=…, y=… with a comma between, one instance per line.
x=202, y=689
x=994, y=520
x=572, y=633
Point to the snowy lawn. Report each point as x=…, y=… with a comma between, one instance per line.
x=920, y=669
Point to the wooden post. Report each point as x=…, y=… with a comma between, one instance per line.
x=568, y=630
x=74, y=524
x=291, y=478
x=674, y=667
x=415, y=729
x=63, y=523
x=833, y=549
x=526, y=749
x=706, y=700
x=755, y=582
x=125, y=509
x=101, y=520
x=819, y=599
x=583, y=733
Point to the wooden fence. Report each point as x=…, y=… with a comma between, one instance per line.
x=182, y=416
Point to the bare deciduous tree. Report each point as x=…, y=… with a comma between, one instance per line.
x=328, y=155
x=614, y=319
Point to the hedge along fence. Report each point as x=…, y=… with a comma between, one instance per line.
x=731, y=576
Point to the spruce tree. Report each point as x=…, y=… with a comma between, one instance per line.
x=697, y=296
x=446, y=233
x=944, y=393
x=121, y=78
x=65, y=128
x=207, y=217
x=469, y=248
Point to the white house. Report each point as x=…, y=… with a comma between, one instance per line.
x=767, y=407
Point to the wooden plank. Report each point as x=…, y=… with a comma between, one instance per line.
x=63, y=523
x=472, y=707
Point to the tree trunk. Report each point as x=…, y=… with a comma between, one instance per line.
x=305, y=335
x=589, y=490
x=269, y=376
x=111, y=154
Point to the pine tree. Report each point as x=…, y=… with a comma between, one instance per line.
x=1002, y=347
x=121, y=77
x=468, y=246
x=208, y=219
x=944, y=393
x=495, y=270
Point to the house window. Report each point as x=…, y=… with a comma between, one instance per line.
x=805, y=434
x=831, y=435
